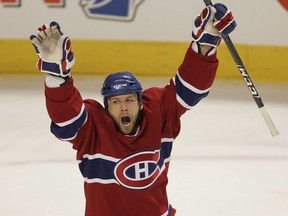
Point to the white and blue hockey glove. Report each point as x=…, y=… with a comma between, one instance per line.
x=211, y=23
x=54, y=50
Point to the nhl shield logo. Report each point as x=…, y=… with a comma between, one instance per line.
x=123, y=10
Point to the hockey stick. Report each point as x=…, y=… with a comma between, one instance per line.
x=248, y=80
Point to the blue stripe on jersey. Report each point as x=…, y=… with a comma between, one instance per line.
x=69, y=131
x=187, y=93
x=165, y=152
x=104, y=169
x=99, y=168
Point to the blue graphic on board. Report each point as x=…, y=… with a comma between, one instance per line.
x=123, y=10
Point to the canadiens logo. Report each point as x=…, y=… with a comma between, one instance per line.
x=138, y=171
x=123, y=10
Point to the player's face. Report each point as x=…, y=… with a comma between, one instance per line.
x=124, y=109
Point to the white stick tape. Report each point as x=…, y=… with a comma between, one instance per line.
x=274, y=132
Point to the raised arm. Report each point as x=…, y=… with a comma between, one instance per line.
x=196, y=74
x=63, y=101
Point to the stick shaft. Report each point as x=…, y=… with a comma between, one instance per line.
x=247, y=80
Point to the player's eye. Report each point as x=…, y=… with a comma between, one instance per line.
x=129, y=100
x=113, y=101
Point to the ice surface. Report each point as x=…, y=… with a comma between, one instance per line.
x=224, y=162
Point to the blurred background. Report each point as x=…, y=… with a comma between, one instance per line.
x=224, y=162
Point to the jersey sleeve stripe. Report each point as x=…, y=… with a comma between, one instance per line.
x=69, y=131
x=189, y=86
x=63, y=124
x=187, y=95
x=180, y=101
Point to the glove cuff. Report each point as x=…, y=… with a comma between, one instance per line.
x=196, y=47
x=61, y=69
x=52, y=81
x=207, y=39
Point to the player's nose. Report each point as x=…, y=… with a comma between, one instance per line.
x=123, y=106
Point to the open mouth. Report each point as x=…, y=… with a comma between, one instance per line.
x=125, y=120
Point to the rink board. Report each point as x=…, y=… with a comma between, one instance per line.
x=96, y=57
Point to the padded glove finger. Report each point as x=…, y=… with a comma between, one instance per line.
x=56, y=29
x=224, y=19
x=35, y=42
x=203, y=31
x=42, y=34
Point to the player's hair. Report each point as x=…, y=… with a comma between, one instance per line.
x=121, y=83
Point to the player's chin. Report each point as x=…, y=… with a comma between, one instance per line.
x=126, y=130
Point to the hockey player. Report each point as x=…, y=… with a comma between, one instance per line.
x=124, y=147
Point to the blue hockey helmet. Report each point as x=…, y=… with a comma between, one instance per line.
x=121, y=83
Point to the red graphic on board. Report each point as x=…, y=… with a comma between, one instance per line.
x=284, y=3
x=49, y=3
x=61, y=3
x=15, y=3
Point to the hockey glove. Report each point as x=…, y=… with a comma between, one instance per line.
x=54, y=50
x=212, y=22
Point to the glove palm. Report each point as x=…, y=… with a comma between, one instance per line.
x=54, y=50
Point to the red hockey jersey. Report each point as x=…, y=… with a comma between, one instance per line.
x=127, y=175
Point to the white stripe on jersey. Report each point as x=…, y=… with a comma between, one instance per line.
x=167, y=140
x=189, y=86
x=63, y=124
x=101, y=181
x=167, y=212
x=98, y=155
x=70, y=138
x=73, y=137
x=185, y=105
